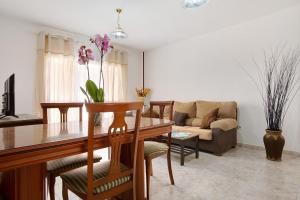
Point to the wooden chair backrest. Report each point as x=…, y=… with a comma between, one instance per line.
x=63, y=109
x=162, y=105
x=117, y=136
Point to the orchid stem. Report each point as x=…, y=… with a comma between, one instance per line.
x=88, y=71
x=101, y=72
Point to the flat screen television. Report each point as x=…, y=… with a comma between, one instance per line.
x=8, y=98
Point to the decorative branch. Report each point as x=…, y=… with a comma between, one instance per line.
x=279, y=84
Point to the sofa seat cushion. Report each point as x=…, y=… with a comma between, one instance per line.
x=76, y=179
x=179, y=128
x=204, y=134
x=224, y=124
x=154, y=149
x=186, y=107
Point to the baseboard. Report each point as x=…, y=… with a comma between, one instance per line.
x=250, y=146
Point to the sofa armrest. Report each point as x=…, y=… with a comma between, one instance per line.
x=224, y=124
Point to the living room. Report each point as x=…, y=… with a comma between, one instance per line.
x=183, y=51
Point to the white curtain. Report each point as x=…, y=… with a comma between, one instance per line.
x=59, y=76
x=115, y=70
x=56, y=74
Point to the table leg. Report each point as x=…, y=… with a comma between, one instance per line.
x=197, y=147
x=8, y=184
x=140, y=185
x=182, y=154
x=26, y=183
x=126, y=159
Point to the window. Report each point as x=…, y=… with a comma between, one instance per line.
x=59, y=76
x=115, y=80
x=60, y=84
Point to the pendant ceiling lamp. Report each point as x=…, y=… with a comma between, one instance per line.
x=194, y=3
x=118, y=33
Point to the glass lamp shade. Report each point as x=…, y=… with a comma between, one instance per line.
x=118, y=34
x=194, y=3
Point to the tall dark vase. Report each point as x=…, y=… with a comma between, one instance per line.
x=274, y=143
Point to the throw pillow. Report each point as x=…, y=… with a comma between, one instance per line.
x=209, y=118
x=179, y=118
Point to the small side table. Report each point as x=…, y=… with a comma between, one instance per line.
x=179, y=142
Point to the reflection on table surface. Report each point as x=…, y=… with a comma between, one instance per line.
x=24, y=136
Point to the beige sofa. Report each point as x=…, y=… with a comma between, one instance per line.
x=222, y=133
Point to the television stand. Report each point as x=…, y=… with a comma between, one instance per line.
x=20, y=120
x=3, y=116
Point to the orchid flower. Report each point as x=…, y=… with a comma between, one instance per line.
x=84, y=56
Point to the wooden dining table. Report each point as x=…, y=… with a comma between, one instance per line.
x=25, y=150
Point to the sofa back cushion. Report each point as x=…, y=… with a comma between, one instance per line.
x=226, y=109
x=186, y=107
x=193, y=122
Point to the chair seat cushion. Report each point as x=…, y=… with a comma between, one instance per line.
x=72, y=162
x=76, y=180
x=154, y=149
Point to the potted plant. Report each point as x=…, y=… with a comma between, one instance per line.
x=278, y=86
x=93, y=92
x=142, y=93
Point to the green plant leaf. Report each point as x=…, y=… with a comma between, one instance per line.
x=92, y=90
x=84, y=92
x=100, y=95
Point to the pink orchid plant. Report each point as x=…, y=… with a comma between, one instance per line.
x=84, y=56
x=103, y=45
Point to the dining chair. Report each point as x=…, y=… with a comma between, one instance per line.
x=56, y=167
x=154, y=149
x=111, y=178
x=63, y=109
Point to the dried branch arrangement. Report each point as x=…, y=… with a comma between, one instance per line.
x=278, y=84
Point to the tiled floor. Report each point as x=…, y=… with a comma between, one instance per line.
x=240, y=174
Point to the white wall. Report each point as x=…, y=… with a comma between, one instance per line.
x=207, y=67
x=18, y=55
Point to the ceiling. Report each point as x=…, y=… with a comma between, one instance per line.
x=148, y=23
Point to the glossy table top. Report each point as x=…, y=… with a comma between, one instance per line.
x=37, y=136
